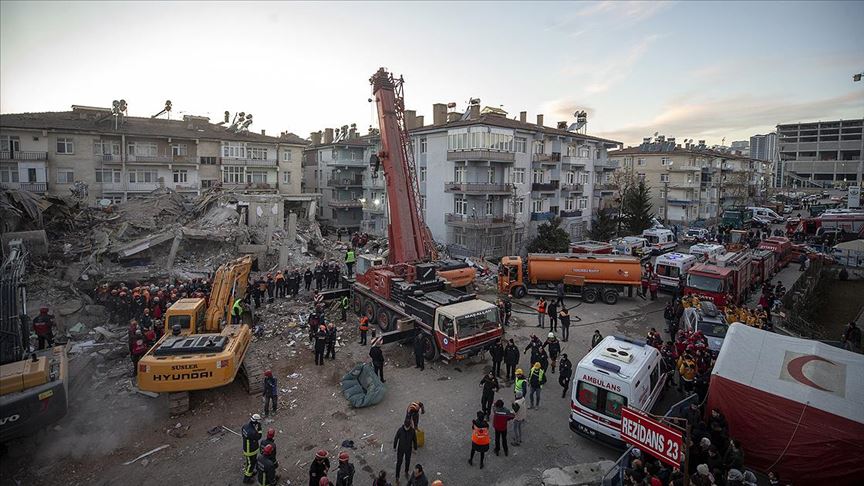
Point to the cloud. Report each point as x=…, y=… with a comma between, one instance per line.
x=603, y=75
x=737, y=117
x=605, y=14
x=563, y=109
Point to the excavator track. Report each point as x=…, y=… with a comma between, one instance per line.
x=178, y=403
x=251, y=374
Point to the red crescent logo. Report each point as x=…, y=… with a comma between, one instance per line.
x=796, y=370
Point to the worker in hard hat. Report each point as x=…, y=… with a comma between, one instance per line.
x=43, y=326
x=251, y=435
x=520, y=385
x=270, y=393
x=345, y=471
x=267, y=466
x=319, y=467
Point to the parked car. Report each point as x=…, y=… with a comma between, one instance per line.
x=695, y=235
x=708, y=319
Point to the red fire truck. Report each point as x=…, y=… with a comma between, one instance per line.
x=726, y=281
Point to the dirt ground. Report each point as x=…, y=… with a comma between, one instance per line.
x=843, y=303
x=109, y=424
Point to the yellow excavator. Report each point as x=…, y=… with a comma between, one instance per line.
x=202, y=348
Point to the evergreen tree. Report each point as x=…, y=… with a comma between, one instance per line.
x=637, y=208
x=604, y=226
x=551, y=238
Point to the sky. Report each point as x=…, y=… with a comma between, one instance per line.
x=703, y=70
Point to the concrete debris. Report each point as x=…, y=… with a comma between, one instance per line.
x=588, y=474
x=146, y=393
x=142, y=456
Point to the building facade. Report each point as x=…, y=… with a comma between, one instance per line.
x=487, y=181
x=764, y=147
x=693, y=182
x=116, y=157
x=820, y=154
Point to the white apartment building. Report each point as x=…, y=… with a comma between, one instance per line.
x=120, y=156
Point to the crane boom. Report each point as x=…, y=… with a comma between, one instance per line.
x=410, y=238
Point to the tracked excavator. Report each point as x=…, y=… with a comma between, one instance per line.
x=201, y=348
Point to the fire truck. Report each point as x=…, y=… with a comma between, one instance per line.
x=725, y=281
x=403, y=296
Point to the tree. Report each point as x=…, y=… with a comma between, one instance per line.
x=604, y=226
x=637, y=208
x=551, y=238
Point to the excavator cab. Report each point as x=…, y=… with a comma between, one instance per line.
x=189, y=314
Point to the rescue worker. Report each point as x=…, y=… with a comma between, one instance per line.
x=552, y=311
x=543, y=359
x=559, y=294
x=536, y=379
x=266, y=465
x=43, y=326
x=350, y=258
x=270, y=393
x=535, y=346
x=139, y=349
x=345, y=471
x=554, y=349
x=508, y=311
x=236, y=311
x=479, y=438
x=377, y=359
x=404, y=441
x=319, y=277
x=319, y=467
x=596, y=338
x=566, y=368
x=251, y=435
x=541, y=311
x=511, y=359
x=564, y=318
x=320, y=344
x=271, y=287
x=331, y=341
x=270, y=440
x=364, y=328
x=280, y=285
x=343, y=307
x=520, y=384
x=669, y=315
x=419, y=350
x=501, y=416
x=687, y=369
x=490, y=386
x=654, y=285
x=497, y=354
x=307, y=279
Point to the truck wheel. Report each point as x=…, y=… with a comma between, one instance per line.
x=610, y=296
x=357, y=304
x=369, y=308
x=383, y=319
x=430, y=348
x=519, y=292
x=589, y=296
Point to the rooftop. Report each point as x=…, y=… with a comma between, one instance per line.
x=674, y=149
x=100, y=120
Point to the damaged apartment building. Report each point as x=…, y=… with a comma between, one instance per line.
x=105, y=156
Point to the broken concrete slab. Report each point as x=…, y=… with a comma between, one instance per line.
x=36, y=242
x=588, y=474
x=141, y=244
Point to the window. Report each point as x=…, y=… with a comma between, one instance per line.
x=521, y=143
x=65, y=176
x=539, y=147
x=178, y=150
x=207, y=183
x=460, y=206
x=422, y=203
x=640, y=161
x=9, y=143
x=600, y=400
x=234, y=150
x=664, y=177
x=356, y=155
x=256, y=176
x=571, y=177
x=232, y=175
x=423, y=145
x=208, y=160
x=108, y=176
x=569, y=204
x=143, y=149
x=655, y=378
x=65, y=146
x=286, y=155
x=537, y=176
x=459, y=173
x=106, y=147
x=31, y=174
x=286, y=177
x=257, y=153
x=582, y=203
x=583, y=177
x=520, y=205
x=137, y=176
x=458, y=239
x=584, y=152
x=181, y=176
x=519, y=176
x=665, y=161
x=422, y=174
x=8, y=174
x=490, y=175
x=490, y=207
x=571, y=151
x=641, y=176
x=537, y=206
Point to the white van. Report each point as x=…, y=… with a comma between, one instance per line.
x=706, y=252
x=671, y=266
x=660, y=240
x=766, y=214
x=631, y=245
x=618, y=372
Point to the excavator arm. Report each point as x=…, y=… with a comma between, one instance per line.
x=229, y=284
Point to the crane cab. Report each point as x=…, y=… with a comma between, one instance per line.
x=190, y=314
x=365, y=262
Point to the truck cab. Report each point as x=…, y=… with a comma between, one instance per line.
x=671, y=266
x=660, y=240
x=738, y=218
x=464, y=328
x=711, y=282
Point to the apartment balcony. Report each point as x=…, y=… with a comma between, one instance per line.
x=575, y=161
x=490, y=155
x=606, y=187
x=606, y=164
x=343, y=162
x=572, y=187
x=542, y=216
x=150, y=159
x=35, y=187
x=345, y=204
x=685, y=185
x=108, y=158
x=478, y=188
x=551, y=159
x=683, y=201
x=545, y=186
x=346, y=182
x=373, y=209
x=686, y=168
x=250, y=162
x=142, y=186
x=252, y=187
x=19, y=155
x=576, y=213
x=465, y=221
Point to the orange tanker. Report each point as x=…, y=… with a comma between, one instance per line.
x=587, y=276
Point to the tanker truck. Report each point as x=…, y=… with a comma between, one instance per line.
x=590, y=277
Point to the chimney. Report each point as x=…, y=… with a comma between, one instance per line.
x=410, y=118
x=474, y=112
x=263, y=132
x=453, y=116
x=523, y=116
x=562, y=125
x=328, y=136
x=315, y=137
x=540, y=120
x=439, y=113
x=352, y=132
x=419, y=121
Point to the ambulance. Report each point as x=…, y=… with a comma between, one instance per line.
x=671, y=266
x=618, y=372
x=707, y=252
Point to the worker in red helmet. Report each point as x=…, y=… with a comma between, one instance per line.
x=267, y=466
x=270, y=393
x=319, y=467
x=43, y=326
x=345, y=471
x=139, y=349
x=320, y=344
x=269, y=440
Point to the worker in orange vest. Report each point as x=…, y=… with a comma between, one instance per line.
x=364, y=328
x=541, y=311
x=479, y=438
